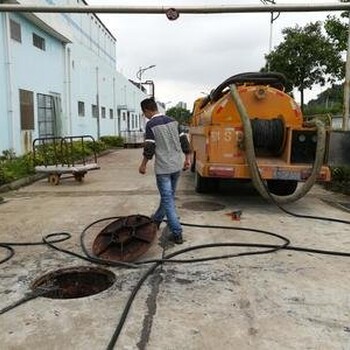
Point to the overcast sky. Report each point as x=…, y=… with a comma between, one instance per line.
x=195, y=53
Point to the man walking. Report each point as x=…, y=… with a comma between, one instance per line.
x=164, y=141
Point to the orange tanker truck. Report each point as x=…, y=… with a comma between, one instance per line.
x=250, y=128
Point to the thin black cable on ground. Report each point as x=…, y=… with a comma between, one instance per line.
x=89, y=258
x=96, y=259
x=10, y=252
x=27, y=297
x=310, y=216
x=168, y=259
x=49, y=240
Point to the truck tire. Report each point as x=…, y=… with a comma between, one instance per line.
x=193, y=164
x=205, y=184
x=199, y=183
x=282, y=187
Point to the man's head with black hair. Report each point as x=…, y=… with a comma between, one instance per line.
x=149, y=107
x=149, y=104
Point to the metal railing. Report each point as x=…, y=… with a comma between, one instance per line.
x=133, y=137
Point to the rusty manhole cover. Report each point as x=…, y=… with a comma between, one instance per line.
x=125, y=239
x=74, y=282
x=203, y=206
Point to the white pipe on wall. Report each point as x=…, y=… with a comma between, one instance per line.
x=116, y=132
x=69, y=92
x=9, y=78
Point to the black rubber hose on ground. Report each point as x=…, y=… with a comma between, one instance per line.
x=169, y=259
x=251, y=158
x=10, y=252
x=96, y=259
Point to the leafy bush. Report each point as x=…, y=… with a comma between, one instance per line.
x=67, y=153
x=318, y=109
x=97, y=146
x=340, y=180
x=13, y=168
x=113, y=141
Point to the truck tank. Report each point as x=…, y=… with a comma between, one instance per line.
x=250, y=119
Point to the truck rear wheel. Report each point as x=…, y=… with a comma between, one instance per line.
x=193, y=164
x=204, y=184
x=199, y=183
x=282, y=187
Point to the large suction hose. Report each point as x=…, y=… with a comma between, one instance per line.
x=251, y=159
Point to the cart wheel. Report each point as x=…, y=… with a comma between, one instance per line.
x=79, y=177
x=54, y=179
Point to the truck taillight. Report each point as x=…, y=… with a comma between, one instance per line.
x=222, y=171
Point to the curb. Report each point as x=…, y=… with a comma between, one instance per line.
x=14, y=185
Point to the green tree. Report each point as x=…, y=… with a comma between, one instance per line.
x=306, y=57
x=328, y=101
x=337, y=30
x=182, y=115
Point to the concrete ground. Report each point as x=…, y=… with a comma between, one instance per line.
x=283, y=300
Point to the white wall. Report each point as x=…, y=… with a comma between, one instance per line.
x=30, y=68
x=5, y=129
x=83, y=69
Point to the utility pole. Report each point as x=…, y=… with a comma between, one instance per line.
x=273, y=17
x=140, y=72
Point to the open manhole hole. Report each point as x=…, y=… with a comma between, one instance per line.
x=74, y=282
x=203, y=206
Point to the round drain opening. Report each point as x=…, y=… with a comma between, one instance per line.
x=203, y=206
x=74, y=282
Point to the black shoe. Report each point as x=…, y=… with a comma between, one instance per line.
x=178, y=239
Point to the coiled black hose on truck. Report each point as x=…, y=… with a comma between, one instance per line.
x=258, y=182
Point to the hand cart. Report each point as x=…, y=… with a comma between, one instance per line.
x=57, y=156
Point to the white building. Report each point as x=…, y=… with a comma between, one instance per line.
x=58, y=73
x=181, y=105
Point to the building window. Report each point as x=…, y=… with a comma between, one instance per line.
x=15, y=31
x=94, y=111
x=46, y=116
x=111, y=113
x=81, y=109
x=26, y=100
x=103, y=112
x=38, y=42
